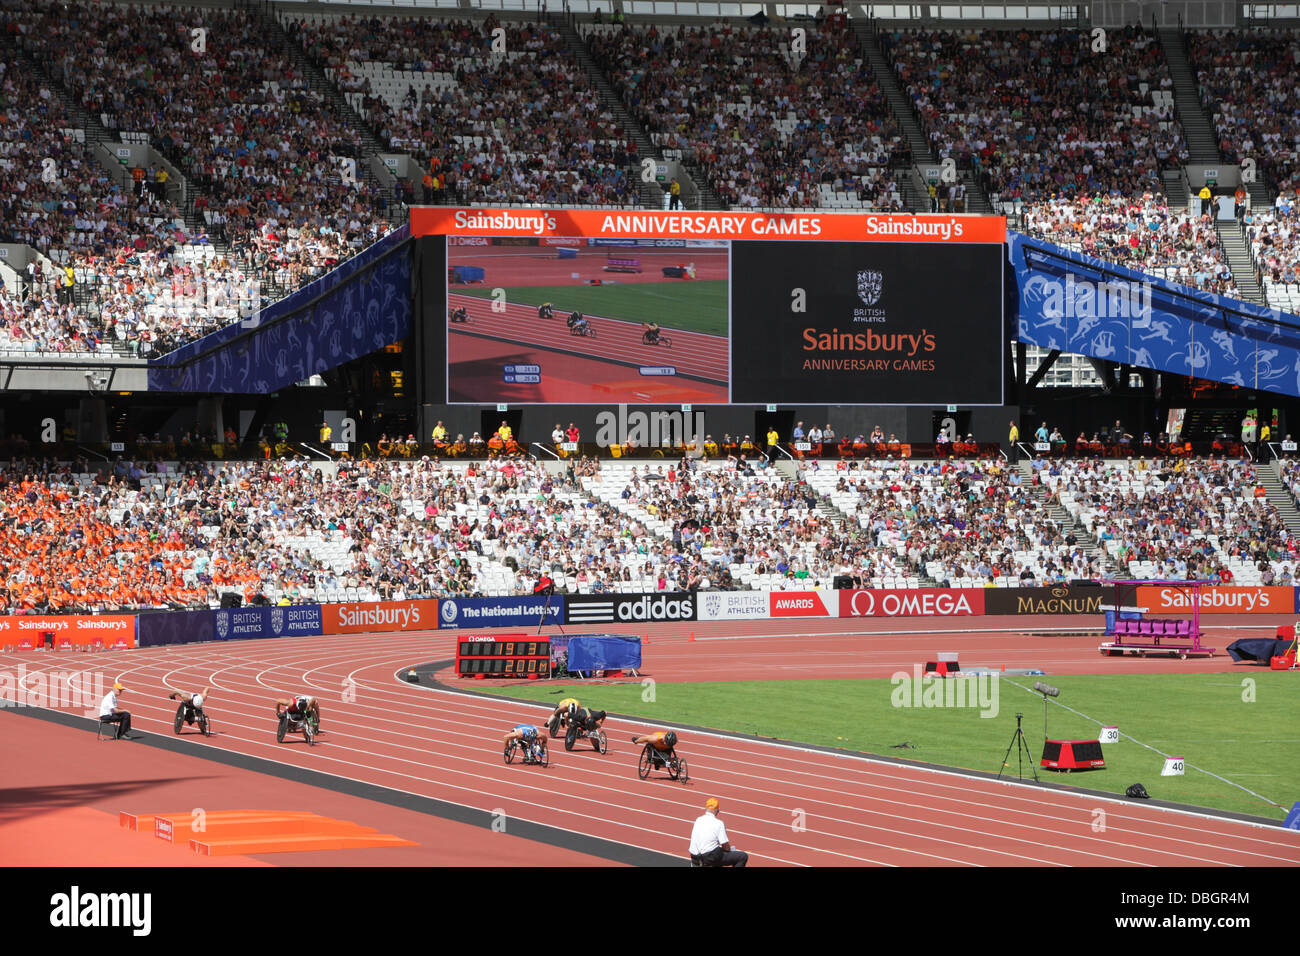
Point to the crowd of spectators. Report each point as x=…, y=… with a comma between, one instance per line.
x=1247, y=79
x=1041, y=113
x=961, y=523
x=1176, y=519
x=731, y=521
x=1273, y=235
x=108, y=260
x=524, y=125
x=767, y=128
x=273, y=165
x=150, y=534
x=1139, y=231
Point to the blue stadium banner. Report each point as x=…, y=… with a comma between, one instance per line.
x=1072, y=302
x=158, y=628
x=500, y=612
x=294, y=620
x=351, y=311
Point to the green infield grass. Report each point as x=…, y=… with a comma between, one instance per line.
x=1239, y=726
x=699, y=306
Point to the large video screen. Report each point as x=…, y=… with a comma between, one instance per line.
x=585, y=307
x=867, y=323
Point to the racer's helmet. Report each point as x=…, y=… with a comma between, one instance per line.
x=573, y=709
x=670, y=739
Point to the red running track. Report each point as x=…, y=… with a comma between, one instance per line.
x=478, y=374
x=853, y=810
x=619, y=340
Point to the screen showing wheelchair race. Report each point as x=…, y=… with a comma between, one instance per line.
x=652, y=308
x=587, y=320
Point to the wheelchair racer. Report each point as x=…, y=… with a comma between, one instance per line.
x=577, y=322
x=192, y=702
x=529, y=736
x=299, y=708
x=588, y=720
x=651, y=334
x=560, y=716
x=546, y=311
x=661, y=744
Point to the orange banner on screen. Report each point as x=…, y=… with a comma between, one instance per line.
x=651, y=224
x=370, y=616
x=1219, y=599
x=69, y=630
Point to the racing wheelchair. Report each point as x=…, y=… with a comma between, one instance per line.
x=584, y=330
x=533, y=753
x=599, y=742
x=660, y=339
x=652, y=759
x=186, y=713
x=307, y=726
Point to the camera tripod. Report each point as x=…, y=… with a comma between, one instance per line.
x=1021, y=753
x=546, y=612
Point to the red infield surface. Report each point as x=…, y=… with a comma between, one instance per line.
x=443, y=744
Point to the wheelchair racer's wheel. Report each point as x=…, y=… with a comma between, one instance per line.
x=674, y=767
x=545, y=758
x=599, y=742
x=665, y=341
x=554, y=726
x=682, y=775
x=570, y=738
x=309, y=733
x=180, y=719
x=205, y=726
x=279, y=731
x=643, y=765
x=510, y=752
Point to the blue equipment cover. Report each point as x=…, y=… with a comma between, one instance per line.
x=1258, y=648
x=605, y=652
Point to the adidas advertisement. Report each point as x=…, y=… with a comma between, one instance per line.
x=629, y=608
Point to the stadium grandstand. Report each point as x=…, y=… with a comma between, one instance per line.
x=194, y=165
x=310, y=304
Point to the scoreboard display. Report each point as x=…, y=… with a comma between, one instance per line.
x=804, y=307
x=503, y=655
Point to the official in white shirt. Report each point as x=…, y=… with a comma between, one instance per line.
x=109, y=714
x=709, y=843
